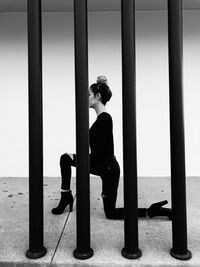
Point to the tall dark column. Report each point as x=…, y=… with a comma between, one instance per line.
x=36, y=248
x=179, y=222
x=83, y=250
x=131, y=249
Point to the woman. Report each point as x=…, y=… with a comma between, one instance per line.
x=102, y=160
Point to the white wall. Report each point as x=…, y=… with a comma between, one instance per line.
x=104, y=58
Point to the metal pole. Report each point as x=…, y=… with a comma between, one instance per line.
x=83, y=250
x=131, y=250
x=36, y=248
x=179, y=222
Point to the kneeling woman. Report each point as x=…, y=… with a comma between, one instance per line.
x=102, y=160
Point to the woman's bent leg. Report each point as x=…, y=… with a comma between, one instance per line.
x=66, y=196
x=110, y=186
x=65, y=165
x=110, y=181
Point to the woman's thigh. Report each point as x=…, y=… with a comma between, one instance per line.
x=109, y=173
x=94, y=168
x=110, y=178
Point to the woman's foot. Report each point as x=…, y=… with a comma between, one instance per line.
x=65, y=200
x=156, y=209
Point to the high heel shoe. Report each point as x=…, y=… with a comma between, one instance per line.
x=65, y=200
x=156, y=209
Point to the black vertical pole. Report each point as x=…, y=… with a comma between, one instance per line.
x=36, y=248
x=83, y=250
x=179, y=222
x=131, y=249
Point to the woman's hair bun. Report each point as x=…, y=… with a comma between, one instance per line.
x=102, y=79
x=102, y=88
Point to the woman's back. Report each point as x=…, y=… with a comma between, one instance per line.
x=101, y=138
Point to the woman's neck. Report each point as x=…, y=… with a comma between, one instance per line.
x=100, y=108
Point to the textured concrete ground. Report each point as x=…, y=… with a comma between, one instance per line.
x=107, y=236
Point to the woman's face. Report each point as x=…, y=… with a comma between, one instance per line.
x=93, y=99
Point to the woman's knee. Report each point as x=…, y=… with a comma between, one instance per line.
x=65, y=159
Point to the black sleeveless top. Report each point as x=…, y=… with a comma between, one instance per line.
x=101, y=139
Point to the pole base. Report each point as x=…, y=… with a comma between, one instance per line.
x=35, y=255
x=186, y=256
x=129, y=255
x=83, y=255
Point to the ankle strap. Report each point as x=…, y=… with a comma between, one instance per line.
x=65, y=191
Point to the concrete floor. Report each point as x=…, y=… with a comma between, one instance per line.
x=107, y=236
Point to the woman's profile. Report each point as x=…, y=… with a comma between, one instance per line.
x=102, y=160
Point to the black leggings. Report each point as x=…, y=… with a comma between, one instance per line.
x=109, y=174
